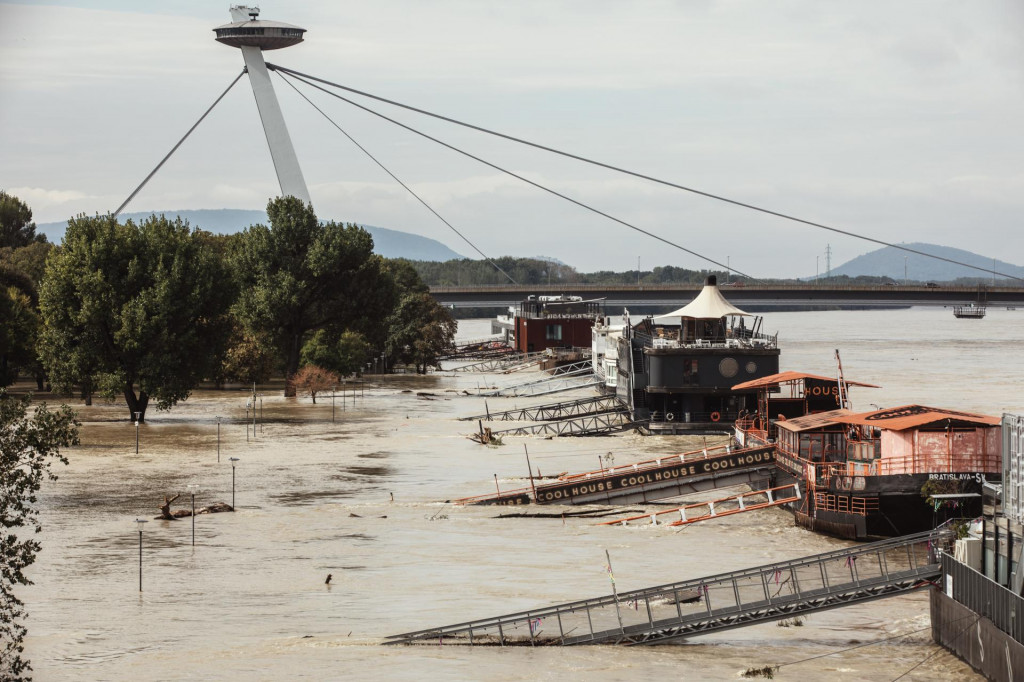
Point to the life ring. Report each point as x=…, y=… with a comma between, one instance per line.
x=715, y=416
x=670, y=417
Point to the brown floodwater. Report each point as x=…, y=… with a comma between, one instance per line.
x=314, y=496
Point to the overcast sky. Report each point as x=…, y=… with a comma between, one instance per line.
x=899, y=120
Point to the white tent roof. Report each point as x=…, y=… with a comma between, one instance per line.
x=709, y=305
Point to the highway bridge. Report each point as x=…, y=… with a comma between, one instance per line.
x=674, y=295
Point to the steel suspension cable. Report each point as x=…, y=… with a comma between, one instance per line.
x=175, y=147
x=395, y=178
x=302, y=79
x=642, y=176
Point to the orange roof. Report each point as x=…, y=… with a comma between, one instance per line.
x=911, y=416
x=786, y=377
x=816, y=420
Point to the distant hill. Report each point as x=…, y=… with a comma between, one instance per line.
x=889, y=262
x=388, y=243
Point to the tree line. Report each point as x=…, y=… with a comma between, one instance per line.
x=147, y=311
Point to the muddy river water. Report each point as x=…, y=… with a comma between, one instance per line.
x=363, y=498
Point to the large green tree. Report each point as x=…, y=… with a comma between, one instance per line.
x=139, y=310
x=29, y=447
x=16, y=226
x=420, y=331
x=298, y=275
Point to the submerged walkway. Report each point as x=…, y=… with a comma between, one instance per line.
x=713, y=603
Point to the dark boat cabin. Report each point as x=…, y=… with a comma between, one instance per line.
x=542, y=322
x=677, y=370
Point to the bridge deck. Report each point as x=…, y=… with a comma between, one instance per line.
x=714, y=603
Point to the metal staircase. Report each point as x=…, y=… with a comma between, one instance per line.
x=711, y=604
x=565, y=378
x=713, y=509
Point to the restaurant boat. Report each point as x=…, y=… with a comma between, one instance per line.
x=882, y=473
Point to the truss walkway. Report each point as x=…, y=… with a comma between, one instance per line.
x=713, y=509
x=583, y=407
x=564, y=378
x=711, y=604
x=654, y=479
x=587, y=425
x=512, y=360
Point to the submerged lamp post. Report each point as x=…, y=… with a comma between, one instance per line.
x=247, y=404
x=261, y=412
x=193, y=488
x=218, y=438
x=137, y=415
x=233, y=460
x=140, y=522
x=334, y=389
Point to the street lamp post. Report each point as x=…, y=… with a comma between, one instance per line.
x=233, y=460
x=137, y=415
x=193, y=488
x=218, y=438
x=334, y=389
x=140, y=522
x=261, y=413
x=247, y=404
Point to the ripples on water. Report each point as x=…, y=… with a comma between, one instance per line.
x=314, y=497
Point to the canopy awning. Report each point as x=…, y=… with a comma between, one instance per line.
x=913, y=416
x=710, y=304
x=808, y=422
x=789, y=377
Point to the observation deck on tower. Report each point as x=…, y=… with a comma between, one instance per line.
x=266, y=35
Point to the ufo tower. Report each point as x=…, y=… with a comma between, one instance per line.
x=252, y=36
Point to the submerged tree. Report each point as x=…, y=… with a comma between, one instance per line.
x=299, y=275
x=420, y=331
x=139, y=310
x=29, y=447
x=311, y=380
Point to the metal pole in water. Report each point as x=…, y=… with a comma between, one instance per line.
x=333, y=391
x=615, y=592
x=218, y=439
x=529, y=469
x=137, y=415
x=496, y=485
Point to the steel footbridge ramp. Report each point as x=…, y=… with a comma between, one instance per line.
x=714, y=603
x=587, y=425
x=564, y=378
x=655, y=479
x=583, y=407
x=502, y=363
x=713, y=509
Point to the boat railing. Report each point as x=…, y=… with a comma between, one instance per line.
x=932, y=463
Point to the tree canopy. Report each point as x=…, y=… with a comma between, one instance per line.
x=420, y=330
x=298, y=275
x=29, y=447
x=16, y=226
x=139, y=310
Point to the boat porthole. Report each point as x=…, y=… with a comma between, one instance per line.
x=728, y=367
x=751, y=367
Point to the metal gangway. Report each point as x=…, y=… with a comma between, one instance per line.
x=714, y=603
x=751, y=500
x=506, y=362
x=563, y=378
x=598, y=404
x=646, y=481
x=586, y=425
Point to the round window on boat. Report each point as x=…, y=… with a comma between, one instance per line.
x=728, y=367
x=751, y=367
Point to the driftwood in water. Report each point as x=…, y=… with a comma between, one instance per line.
x=165, y=508
x=214, y=508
